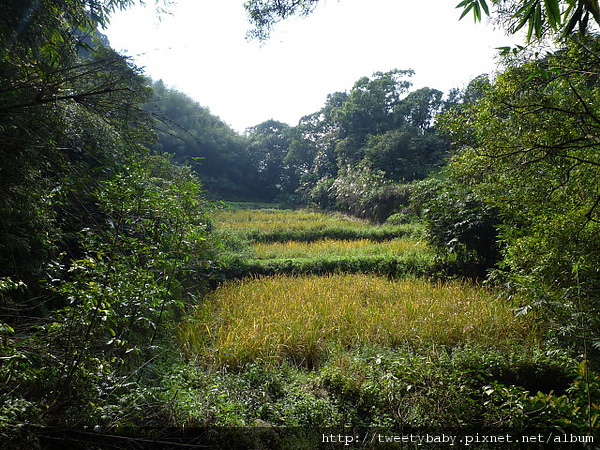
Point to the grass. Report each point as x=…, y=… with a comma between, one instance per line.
x=373, y=387
x=337, y=248
x=269, y=218
x=273, y=225
x=276, y=241
x=384, y=348
x=303, y=318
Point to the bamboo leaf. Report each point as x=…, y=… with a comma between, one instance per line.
x=485, y=7
x=541, y=72
x=466, y=11
x=594, y=8
x=538, y=21
x=573, y=20
x=503, y=50
x=526, y=13
x=553, y=13
x=477, y=12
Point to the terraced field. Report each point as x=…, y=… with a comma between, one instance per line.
x=271, y=242
x=330, y=330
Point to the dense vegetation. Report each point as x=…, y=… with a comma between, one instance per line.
x=130, y=302
x=322, y=334
x=355, y=154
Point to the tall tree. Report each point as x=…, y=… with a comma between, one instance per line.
x=269, y=146
x=420, y=107
x=198, y=138
x=371, y=103
x=67, y=103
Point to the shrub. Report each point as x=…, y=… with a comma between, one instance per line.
x=459, y=224
x=368, y=194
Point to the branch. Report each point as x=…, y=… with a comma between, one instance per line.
x=77, y=97
x=588, y=215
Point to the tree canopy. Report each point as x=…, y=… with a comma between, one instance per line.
x=539, y=17
x=97, y=234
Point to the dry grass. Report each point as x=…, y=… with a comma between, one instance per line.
x=302, y=318
x=336, y=248
x=273, y=219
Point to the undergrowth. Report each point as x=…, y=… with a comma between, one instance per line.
x=378, y=387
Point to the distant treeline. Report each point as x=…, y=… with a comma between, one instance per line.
x=353, y=154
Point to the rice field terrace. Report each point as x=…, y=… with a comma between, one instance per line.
x=301, y=318
x=273, y=225
x=338, y=248
x=274, y=242
x=334, y=331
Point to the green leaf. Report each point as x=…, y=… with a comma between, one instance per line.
x=477, y=12
x=485, y=7
x=553, y=13
x=476, y=6
x=574, y=19
x=538, y=21
x=6, y=328
x=466, y=11
x=542, y=72
x=594, y=8
x=526, y=12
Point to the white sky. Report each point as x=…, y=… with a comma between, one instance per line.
x=201, y=50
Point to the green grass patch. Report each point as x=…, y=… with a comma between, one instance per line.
x=303, y=318
x=413, y=263
x=272, y=225
x=231, y=206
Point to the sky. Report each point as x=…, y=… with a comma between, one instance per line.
x=201, y=48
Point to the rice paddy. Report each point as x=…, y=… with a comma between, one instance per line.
x=321, y=320
x=300, y=318
x=336, y=248
x=243, y=219
x=272, y=225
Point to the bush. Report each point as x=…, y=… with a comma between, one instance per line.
x=114, y=302
x=368, y=194
x=459, y=224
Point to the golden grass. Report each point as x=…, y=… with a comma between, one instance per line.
x=337, y=248
x=302, y=318
x=273, y=220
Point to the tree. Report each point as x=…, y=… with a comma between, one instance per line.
x=371, y=104
x=540, y=16
x=266, y=13
x=379, y=127
x=420, y=107
x=97, y=237
x=532, y=151
x=63, y=117
x=198, y=138
x=268, y=147
x=406, y=154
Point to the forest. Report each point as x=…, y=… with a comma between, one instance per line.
x=400, y=261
